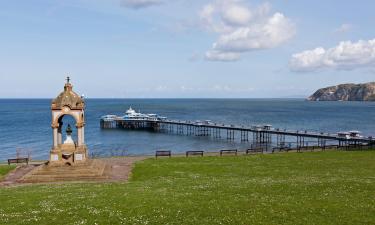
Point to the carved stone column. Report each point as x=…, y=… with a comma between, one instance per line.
x=59, y=134
x=83, y=135
x=79, y=130
x=55, y=137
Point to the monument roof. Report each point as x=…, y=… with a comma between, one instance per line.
x=68, y=98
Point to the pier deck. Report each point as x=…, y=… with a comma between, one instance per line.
x=260, y=134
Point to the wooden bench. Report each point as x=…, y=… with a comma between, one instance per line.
x=353, y=147
x=368, y=146
x=162, y=153
x=194, y=153
x=306, y=147
x=254, y=150
x=18, y=160
x=229, y=151
x=331, y=147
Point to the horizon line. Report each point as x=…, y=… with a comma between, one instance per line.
x=48, y=98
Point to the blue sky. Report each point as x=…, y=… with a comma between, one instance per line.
x=184, y=48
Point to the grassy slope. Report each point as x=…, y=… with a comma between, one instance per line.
x=4, y=169
x=307, y=188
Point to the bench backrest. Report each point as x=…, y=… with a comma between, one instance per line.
x=194, y=153
x=18, y=160
x=257, y=149
x=162, y=153
x=229, y=151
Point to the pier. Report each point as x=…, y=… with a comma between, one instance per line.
x=265, y=137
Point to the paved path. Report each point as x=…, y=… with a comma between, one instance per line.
x=119, y=169
x=12, y=177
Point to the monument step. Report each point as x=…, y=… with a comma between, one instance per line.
x=67, y=176
x=69, y=171
x=92, y=170
x=77, y=173
x=37, y=179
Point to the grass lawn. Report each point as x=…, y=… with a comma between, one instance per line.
x=4, y=169
x=292, y=188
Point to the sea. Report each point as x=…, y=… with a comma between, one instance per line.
x=25, y=124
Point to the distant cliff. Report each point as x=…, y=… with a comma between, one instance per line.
x=345, y=92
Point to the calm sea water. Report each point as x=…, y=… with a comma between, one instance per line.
x=26, y=125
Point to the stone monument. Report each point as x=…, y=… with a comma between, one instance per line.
x=68, y=152
x=68, y=160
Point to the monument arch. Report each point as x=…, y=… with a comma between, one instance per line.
x=70, y=152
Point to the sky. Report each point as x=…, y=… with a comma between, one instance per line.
x=184, y=48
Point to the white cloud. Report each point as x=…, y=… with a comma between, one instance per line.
x=345, y=56
x=215, y=55
x=258, y=36
x=242, y=29
x=344, y=28
x=236, y=15
x=137, y=4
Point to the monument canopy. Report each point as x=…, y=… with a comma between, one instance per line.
x=68, y=98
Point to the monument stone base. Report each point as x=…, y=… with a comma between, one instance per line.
x=68, y=154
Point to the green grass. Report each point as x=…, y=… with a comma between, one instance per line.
x=307, y=188
x=4, y=169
